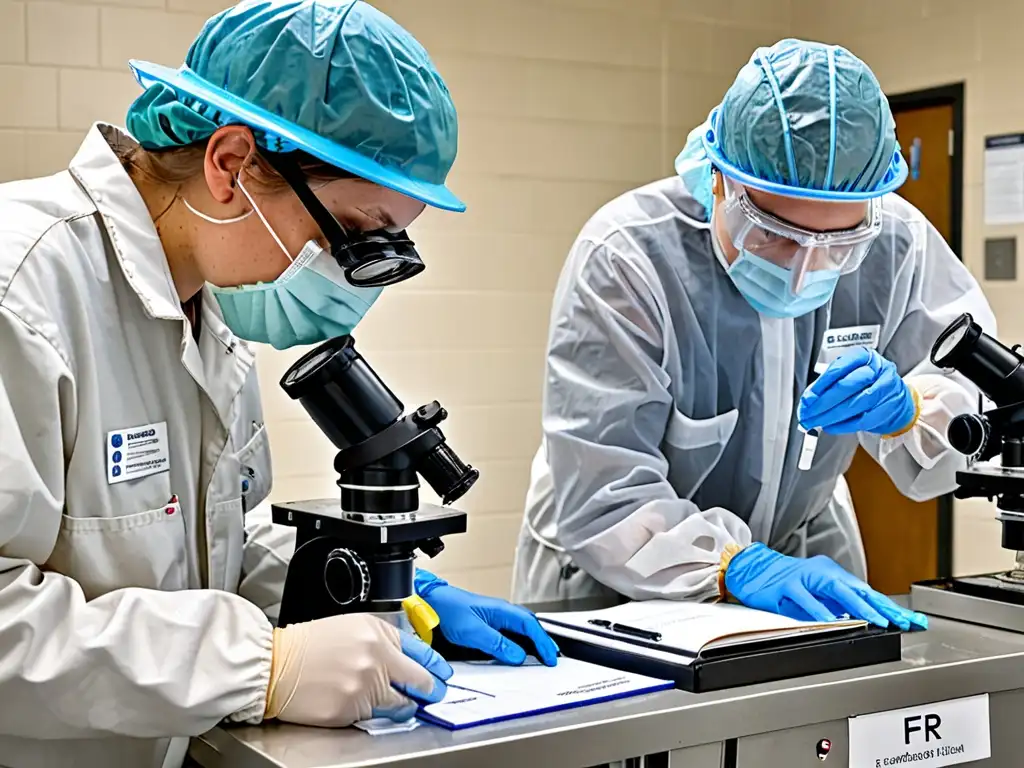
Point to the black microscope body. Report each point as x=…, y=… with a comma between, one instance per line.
x=357, y=553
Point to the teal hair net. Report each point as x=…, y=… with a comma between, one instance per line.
x=335, y=78
x=802, y=119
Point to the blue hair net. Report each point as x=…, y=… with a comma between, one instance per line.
x=694, y=167
x=337, y=79
x=801, y=119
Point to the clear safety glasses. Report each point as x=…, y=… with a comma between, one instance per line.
x=370, y=259
x=793, y=248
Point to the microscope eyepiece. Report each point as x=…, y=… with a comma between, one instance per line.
x=995, y=369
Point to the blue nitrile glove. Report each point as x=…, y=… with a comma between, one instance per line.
x=434, y=663
x=859, y=392
x=811, y=589
x=476, y=621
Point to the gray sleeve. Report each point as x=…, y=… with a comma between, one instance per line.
x=607, y=405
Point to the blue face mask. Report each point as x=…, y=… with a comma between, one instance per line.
x=309, y=303
x=766, y=287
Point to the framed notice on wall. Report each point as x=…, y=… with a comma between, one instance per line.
x=1004, y=179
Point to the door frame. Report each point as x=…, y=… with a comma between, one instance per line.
x=953, y=96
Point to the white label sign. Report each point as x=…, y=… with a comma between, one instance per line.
x=137, y=452
x=838, y=341
x=929, y=736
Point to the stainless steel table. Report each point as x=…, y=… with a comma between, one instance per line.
x=775, y=724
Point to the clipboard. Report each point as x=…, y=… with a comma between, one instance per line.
x=715, y=669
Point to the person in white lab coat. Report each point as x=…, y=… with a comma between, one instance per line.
x=689, y=325
x=259, y=185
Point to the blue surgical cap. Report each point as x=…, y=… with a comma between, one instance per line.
x=335, y=78
x=801, y=119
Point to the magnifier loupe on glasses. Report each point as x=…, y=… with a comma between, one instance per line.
x=371, y=259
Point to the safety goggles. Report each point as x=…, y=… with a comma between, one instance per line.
x=791, y=247
x=370, y=259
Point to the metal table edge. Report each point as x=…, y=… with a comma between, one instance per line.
x=697, y=721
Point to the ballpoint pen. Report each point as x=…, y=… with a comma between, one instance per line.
x=624, y=629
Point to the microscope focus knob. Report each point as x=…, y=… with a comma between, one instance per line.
x=346, y=576
x=968, y=433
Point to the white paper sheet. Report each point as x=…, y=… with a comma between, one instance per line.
x=487, y=692
x=691, y=627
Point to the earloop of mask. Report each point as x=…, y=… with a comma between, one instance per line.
x=207, y=217
x=263, y=218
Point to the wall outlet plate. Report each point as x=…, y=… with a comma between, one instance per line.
x=1001, y=258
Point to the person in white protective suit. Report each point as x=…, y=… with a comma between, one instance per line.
x=139, y=571
x=704, y=324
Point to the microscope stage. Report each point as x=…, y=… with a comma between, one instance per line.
x=324, y=517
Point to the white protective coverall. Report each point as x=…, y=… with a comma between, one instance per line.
x=669, y=426
x=131, y=611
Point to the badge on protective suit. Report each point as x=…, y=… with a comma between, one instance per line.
x=838, y=341
x=137, y=452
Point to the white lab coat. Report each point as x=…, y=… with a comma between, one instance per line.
x=126, y=618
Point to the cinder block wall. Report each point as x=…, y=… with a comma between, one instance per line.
x=563, y=105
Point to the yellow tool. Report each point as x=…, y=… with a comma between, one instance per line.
x=422, y=617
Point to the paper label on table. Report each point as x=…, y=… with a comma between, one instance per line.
x=136, y=452
x=929, y=736
x=382, y=726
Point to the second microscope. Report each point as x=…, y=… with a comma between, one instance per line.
x=993, y=441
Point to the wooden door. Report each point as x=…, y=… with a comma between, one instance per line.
x=901, y=537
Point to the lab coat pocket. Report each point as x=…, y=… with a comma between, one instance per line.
x=255, y=467
x=694, y=446
x=146, y=549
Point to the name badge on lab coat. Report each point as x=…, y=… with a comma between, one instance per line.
x=137, y=452
x=838, y=341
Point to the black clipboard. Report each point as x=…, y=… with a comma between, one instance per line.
x=761, y=662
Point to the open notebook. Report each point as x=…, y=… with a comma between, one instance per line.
x=678, y=631
x=487, y=692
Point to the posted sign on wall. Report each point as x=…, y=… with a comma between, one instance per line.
x=929, y=736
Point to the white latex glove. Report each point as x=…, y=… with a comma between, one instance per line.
x=336, y=671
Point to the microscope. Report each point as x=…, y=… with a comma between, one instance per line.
x=356, y=553
x=993, y=442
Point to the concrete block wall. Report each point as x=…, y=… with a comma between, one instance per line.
x=563, y=104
